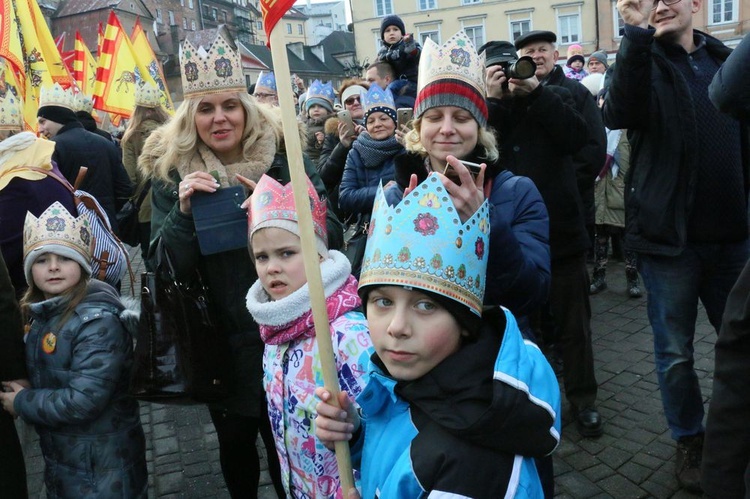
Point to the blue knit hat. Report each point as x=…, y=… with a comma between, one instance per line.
x=392, y=20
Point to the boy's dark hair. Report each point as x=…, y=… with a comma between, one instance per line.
x=384, y=68
x=392, y=20
x=465, y=318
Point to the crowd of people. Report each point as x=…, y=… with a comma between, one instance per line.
x=482, y=212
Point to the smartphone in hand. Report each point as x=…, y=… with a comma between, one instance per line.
x=404, y=115
x=451, y=173
x=346, y=118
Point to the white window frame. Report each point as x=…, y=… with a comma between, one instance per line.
x=190, y=4
x=383, y=8
x=171, y=17
x=192, y=24
x=519, y=20
x=564, y=11
x=184, y=23
x=723, y=12
x=473, y=24
x=425, y=32
x=288, y=28
x=428, y=5
x=616, y=21
x=300, y=31
x=158, y=16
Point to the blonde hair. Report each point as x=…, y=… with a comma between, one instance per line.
x=141, y=114
x=75, y=293
x=486, y=138
x=175, y=143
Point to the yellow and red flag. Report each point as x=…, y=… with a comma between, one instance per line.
x=27, y=43
x=84, y=66
x=119, y=71
x=273, y=11
x=147, y=58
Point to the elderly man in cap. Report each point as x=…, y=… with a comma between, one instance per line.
x=550, y=129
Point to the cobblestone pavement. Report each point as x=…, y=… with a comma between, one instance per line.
x=633, y=459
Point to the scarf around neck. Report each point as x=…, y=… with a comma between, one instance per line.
x=376, y=152
x=291, y=317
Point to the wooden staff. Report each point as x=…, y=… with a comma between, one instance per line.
x=307, y=237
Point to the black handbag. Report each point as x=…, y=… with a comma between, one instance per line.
x=127, y=218
x=355, y=241
x=180, y=356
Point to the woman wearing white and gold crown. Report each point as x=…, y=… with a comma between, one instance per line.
x=220, y=129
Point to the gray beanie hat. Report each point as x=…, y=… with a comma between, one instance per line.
x=600, y=56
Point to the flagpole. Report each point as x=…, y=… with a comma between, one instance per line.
x=310, y=254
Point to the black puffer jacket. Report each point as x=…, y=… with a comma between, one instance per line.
x=650, y=97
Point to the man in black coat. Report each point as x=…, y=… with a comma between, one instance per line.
x=685, y=196
x=75, y=147
x=12, y=368
x=540, y=132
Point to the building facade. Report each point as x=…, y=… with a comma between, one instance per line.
x=323, y=19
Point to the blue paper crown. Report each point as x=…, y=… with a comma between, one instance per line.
x=266, y=79
x=321, y=90
x=378, y=100
x=421, y=243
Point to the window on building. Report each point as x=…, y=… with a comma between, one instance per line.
x=190, y=4
x=192, y=24
x=182, y=3
x=184, y=23
x=288, y=28
x=617, y=22
x=259, y=25
x=469, y=2
x=224, y=15
x=299, y=29
x=158, y=16
x=520, y=27
x=722, y=11
x=383, y=7
x=433, y=34
x=569, y=28
x=171, y=18
x=214, y=14
x=475, y=34
x=427, y=4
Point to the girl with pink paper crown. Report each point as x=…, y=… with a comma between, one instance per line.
x=279, y=301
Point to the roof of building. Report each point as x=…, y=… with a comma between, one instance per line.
x=336, y=43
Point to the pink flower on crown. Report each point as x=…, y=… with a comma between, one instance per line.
x=479, y=248
x=426, y=224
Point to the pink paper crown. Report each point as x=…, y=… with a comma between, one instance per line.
x=272, y=201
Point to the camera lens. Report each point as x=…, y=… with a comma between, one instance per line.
x=522, y=69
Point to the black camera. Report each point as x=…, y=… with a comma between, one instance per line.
x=503, y=54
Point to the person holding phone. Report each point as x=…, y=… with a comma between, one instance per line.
x=340, y=133
x=220, y=130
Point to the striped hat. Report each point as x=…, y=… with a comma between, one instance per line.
x=452, y=75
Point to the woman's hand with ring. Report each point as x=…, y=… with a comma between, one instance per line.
x=192, y=183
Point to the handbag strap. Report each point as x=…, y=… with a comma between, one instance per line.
x=142, y=195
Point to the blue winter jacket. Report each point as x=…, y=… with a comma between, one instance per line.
x=468, y=428
x=89, y=427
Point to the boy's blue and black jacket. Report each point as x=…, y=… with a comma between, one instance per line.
x=470, y=427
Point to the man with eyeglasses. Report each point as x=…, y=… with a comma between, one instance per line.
x=265, y=89
x=686, y=195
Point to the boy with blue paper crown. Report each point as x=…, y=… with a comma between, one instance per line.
x=318, y=108
x=457, y=402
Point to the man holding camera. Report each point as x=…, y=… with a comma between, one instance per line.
x=541, y=131
x=686, y=210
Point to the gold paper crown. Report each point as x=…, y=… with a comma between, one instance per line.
x=57, y=226
x=212, y=71
x=10, y=112
x=83, y=103
x=57, y=96
x=147, y=95
x=457, y=59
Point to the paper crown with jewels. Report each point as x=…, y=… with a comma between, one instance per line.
x=147, y=95
x=57, y=96
x=322, y=94
x=378, y=100
x=82, y=102
x=452, y=74
x=272, y=205
x=267, y=81
x=10, y=112
x=421, y=243
x=57, y=231
x=211, y=70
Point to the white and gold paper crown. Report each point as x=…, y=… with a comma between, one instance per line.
x=213, y=70
x=55, y=226
x=83, y=103
x=422, y=243
x=147, y=95
x=57, y=96
x=457, y=59
x=10, y=112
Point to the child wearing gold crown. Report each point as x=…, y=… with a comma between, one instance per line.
x=79, y=354
x=457, y=402
x=280, y=303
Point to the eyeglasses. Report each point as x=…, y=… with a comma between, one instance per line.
x=351, y=100
x=264, y=96
x=665, y=2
